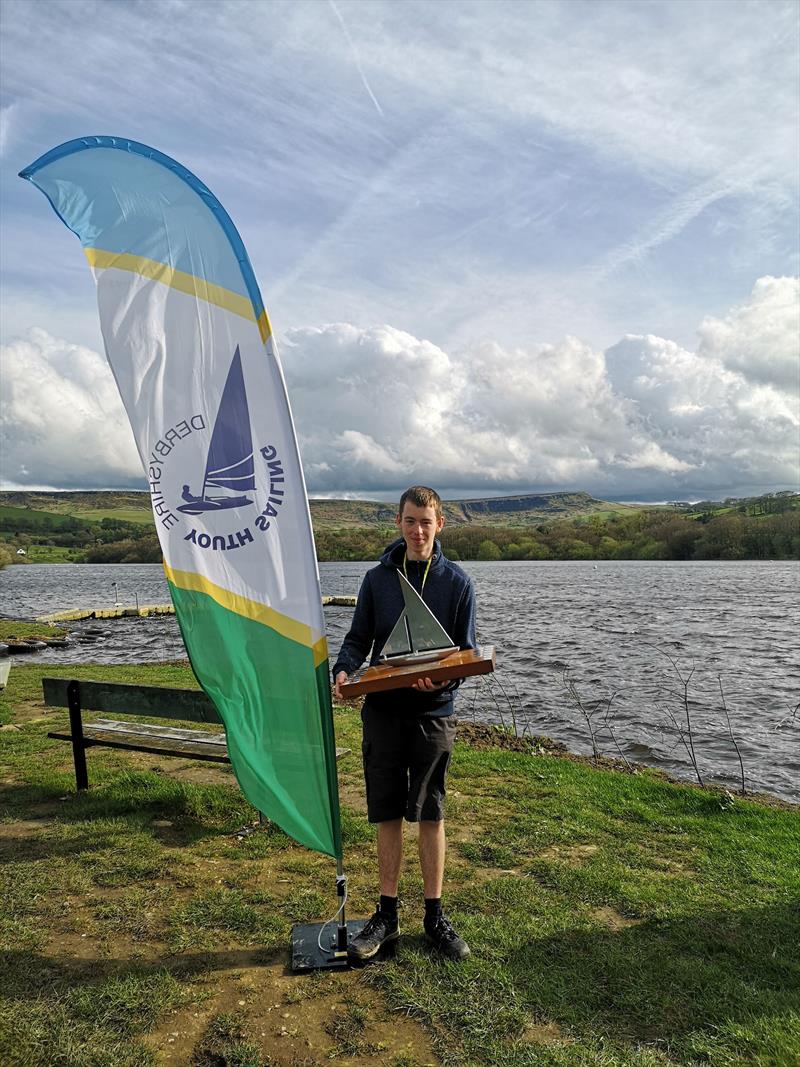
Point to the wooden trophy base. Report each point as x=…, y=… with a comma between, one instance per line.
x=383, y=676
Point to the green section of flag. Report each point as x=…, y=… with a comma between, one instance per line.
x=276, y=706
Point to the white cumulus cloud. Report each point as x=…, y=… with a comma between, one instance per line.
x=760, y=339
x=646, y=416
x=62, y=422
x=377, y=408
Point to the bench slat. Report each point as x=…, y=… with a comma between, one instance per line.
x=185, y=750
x=157, y=702
x=143, y=729
x=164, y=740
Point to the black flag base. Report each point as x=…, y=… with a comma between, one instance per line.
x=323, y=946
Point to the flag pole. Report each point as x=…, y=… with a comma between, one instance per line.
x=310, y=949
x=341, y=892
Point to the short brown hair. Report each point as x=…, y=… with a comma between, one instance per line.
x=421, y=497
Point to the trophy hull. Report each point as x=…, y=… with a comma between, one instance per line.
x=401, y=659
x=461, y=664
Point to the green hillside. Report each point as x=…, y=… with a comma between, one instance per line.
x=93, y=506
x=109, y=527
x=526, y=509
x=50, y=509
x=519, y=510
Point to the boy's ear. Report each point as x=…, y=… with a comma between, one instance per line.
x=440, y=522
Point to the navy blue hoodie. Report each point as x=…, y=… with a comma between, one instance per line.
x=450, y=596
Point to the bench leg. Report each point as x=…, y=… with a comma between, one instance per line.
x=76, y=729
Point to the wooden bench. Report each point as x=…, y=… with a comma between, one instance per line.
x=151, y=701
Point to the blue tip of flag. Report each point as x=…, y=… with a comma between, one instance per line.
x=82, y=144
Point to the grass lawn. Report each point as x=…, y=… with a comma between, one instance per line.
x=142, y=515
x=10, y=628
x=615, y=919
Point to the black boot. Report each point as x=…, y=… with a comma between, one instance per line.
x=440, y=932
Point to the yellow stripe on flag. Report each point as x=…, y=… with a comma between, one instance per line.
x=251, y=609
x=264, y=326
x=183, y=282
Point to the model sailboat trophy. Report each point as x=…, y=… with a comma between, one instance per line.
x=418, y=647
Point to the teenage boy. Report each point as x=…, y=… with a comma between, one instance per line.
x=408, y=734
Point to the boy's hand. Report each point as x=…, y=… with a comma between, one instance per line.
x=340, y=678
x=425, y=685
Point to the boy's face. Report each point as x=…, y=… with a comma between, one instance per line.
x=419, y=527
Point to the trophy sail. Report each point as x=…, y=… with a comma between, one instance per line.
x=417, y=635
x=399, y=643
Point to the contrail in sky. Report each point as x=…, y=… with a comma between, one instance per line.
x=672, y=220
x=355, y=58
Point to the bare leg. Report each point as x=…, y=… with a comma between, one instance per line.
x=390, y=855
x=431, y=856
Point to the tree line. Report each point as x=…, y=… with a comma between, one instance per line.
x=106, y=540
x=48, y=528
x=656, y=535
x=645, y=535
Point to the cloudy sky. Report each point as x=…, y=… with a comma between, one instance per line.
x=505, y=246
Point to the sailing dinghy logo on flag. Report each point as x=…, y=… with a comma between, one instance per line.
x=229, y=469
x=229, y=479
x=190, y=346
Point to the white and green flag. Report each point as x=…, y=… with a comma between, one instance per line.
x=190, y=346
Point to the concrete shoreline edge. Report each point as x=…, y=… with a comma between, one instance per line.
x=119, y=612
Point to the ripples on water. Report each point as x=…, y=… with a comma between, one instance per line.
x=603, y=624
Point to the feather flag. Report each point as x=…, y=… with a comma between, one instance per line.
x=190, y=345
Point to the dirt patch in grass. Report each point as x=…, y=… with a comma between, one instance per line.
x=286, y=1019
x=353, y=795
x=483, y=735
x=614, y=919
x=488, y=874
x=20, y=829
x=544, y=1034
x=669, y=866
x=572, y=855
x=28, y=711
x=76, y=953
x=244, y=1005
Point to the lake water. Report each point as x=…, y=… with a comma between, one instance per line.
x=628, y=629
